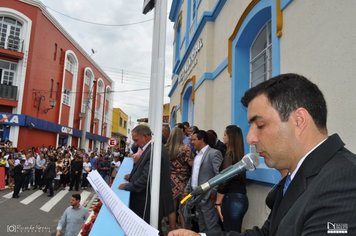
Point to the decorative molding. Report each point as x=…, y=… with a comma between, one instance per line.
x=192, y=81
x=211, y=75
x=279, y=19
x=236, y=30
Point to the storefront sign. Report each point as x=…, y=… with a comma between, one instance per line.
x=12, y=119
x=112, y=142
x=66, y=130
x=191, y=62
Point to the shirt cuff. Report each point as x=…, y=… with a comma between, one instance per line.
x=202, y=234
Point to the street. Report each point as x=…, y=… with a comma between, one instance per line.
x=34, y=213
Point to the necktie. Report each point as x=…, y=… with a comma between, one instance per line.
x=286, y=184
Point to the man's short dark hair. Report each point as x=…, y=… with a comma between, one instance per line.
x=186, y=124
x=288, y=92
x=202, y=135
x=76, y=196
x=181, y=126
x=142, y=130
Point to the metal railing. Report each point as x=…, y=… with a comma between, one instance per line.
x=8, y=91
x=11, y=43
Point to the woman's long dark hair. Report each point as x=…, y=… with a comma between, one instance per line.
x=235, y=146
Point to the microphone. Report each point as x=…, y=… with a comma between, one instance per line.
x=248, y=162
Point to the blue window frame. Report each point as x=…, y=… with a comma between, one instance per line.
x=253, y=24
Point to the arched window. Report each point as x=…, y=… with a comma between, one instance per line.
x=70, y=64
x=10, y=33
x=101, y=87
x=100, y=94
x=88, y=77
x=187, y=104
x=261, y=56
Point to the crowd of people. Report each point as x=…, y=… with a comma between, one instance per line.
x=287, y=116
x=51, y=169
x=190, y=156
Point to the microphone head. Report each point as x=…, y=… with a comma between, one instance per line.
x=251, y=160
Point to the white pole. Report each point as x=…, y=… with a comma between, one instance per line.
x=154, y=76
x=158, y=62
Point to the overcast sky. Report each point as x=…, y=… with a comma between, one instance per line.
x=123, y=52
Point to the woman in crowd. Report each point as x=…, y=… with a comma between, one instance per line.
x=65, y=177
x=232, y=202
x=85, y=172
x=181, y=162
x=59, y=172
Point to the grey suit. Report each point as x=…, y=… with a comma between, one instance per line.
x=207, y=215
x=323, y=191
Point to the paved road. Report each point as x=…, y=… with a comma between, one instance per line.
x=34, y=213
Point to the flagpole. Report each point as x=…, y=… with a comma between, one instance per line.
x=156, y=102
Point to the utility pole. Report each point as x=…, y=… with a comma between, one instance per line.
x=85, y=124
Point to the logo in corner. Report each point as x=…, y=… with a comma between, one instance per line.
x=337, y=228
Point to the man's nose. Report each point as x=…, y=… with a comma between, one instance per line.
x=251, y=137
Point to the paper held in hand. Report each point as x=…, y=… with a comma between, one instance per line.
x=130, y=223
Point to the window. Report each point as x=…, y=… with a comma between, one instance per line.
x=193, y=17
x=177, y=43
x=51, y=89
x=125, y=124
x=100, y=95
x=66, y=97
x=120, y=121
x=194, y=10
x=60, y=55
x=261, y=56
x=88, y=77
x=55, y=52
x=7, y=72
x=84, y=106
x=10, y=33
x=70, y=64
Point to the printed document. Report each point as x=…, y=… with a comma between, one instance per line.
x=130, y=223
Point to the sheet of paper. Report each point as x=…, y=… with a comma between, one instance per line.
x=130, y=223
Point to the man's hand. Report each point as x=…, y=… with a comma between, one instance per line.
x=122, y=186
x=126, y=177
x=218, y=210
x=58, y=233
x=182, y=232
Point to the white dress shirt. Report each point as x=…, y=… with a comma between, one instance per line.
x=196, y=166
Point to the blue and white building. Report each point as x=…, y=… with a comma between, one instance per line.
x=222, y=48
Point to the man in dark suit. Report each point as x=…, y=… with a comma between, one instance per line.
x=206, y=165
x=287, y=116
x=139, y=186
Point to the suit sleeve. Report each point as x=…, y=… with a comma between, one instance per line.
x=216, y=161
x=338, y=205
x=140, y=183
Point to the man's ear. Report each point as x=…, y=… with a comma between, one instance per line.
x=301, y=117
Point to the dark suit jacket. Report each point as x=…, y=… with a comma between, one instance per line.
x=138, y=185
x=50, y=171
x=221, y=147
x=323, y=191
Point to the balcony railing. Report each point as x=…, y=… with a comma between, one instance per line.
x=8, y=92
x=11, y=43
